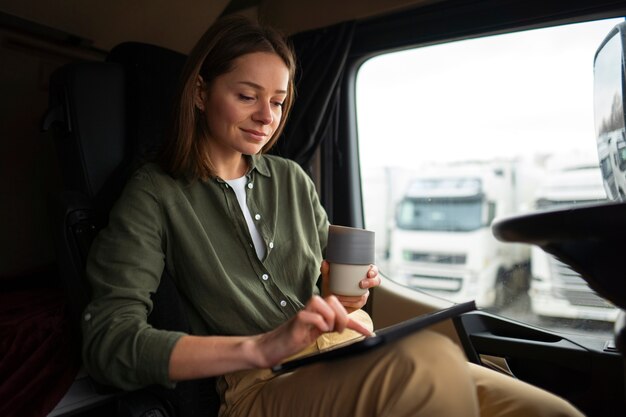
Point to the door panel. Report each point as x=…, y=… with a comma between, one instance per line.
x=583, y=372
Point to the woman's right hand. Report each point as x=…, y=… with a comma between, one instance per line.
x=320, y=315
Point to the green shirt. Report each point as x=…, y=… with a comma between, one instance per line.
x=198, y=232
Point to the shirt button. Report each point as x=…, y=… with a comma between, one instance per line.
x=257, y=216
x=265, y=277
x=283, y=303
x=87, y=317
x=271, y=245
x=250, y=185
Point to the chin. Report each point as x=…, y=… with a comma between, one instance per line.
x=252, y=149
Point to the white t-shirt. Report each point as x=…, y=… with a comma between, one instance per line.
x=239, y=186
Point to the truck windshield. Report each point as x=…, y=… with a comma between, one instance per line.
x=445, y=215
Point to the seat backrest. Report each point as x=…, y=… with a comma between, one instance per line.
x=87, y=113
x=106, y=118
x=86, y=117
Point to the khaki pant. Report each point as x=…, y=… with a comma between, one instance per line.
x=425, y=374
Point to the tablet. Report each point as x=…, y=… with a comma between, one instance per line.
x=380, y=338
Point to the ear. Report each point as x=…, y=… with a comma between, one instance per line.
x=199, y=93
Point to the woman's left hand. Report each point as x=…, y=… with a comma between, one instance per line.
x=351, y=303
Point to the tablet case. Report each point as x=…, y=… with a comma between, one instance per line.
x=380, y=338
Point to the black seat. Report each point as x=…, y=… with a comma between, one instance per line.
x=106, y=118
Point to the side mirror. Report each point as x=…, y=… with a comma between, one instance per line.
x=609, y=112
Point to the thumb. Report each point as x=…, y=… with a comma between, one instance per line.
x=325, y=270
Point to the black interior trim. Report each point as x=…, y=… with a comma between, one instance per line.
x=47, y=33
x=588, y=238
x=458, y=19
x=592, y=379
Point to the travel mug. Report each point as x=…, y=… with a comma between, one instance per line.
x=350, y=252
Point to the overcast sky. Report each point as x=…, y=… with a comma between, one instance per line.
x=478, y=99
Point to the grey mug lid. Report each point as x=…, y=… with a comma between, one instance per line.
x=350, y=245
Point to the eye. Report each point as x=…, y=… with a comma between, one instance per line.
x=278, y=104
x=244, y=97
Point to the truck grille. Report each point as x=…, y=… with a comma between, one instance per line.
x=435, y=258
x=569, y=285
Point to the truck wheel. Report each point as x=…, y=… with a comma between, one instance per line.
x=501, y=289
x=522, y=278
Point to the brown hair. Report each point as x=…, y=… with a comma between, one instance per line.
x=185, y=151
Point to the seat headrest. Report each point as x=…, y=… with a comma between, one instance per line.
x=152, y=75
x=87, y=111
x=108, y=117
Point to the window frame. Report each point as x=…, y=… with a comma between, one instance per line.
x=419, y=27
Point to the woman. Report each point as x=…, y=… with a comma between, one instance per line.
x=242, y=234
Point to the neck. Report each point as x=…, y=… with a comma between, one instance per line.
x=234, y=168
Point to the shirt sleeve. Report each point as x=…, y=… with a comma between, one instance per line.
x=321, y=220
x=124, y=267
x=321, y=217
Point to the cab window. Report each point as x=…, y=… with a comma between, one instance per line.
x=454, y=135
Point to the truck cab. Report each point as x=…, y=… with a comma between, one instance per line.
x=442, y=241
x=556, y=290
x=392, y=96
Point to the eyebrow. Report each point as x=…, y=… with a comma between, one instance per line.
x=259, y=87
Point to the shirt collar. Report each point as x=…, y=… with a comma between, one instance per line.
x=259, y=163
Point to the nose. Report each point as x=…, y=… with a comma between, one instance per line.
x=263, y=113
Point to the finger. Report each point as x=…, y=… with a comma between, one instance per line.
x=325, y=271
x=372, y=278
x=372, y=272
x=354, y=302
x=321, y=306
x=325, y=268
x=313, y=320
x=341, y=315
x=370, y=282
x=355, y=325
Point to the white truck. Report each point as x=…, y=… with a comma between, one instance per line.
x=442, y=241
x=556, y=290
x=607, y=165
x=612, y=151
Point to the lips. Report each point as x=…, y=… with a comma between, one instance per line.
x=255, y=134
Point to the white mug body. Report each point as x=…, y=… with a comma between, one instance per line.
x=345, y=279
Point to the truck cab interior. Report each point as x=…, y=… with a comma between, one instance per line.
x=85, y=90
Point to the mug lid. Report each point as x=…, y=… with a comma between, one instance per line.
x=350, y=245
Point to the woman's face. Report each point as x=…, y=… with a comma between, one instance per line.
x=243, y=107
